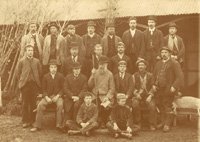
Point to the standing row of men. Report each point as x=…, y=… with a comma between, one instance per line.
x=111, y=80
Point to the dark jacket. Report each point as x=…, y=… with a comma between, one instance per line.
x=135, y=45
x=152, y=43
x=172, y=75
x=52, y=86
x=181, y=47
x=74, y=87
x=87, y=114
x=128, y=86
x=89, y=43
x=24, y=68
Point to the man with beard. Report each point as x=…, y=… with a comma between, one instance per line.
x=102, y=84
x=143, y=95
x=153, y=42
x=29, y=72
x=72, y=37
x=168, y=80
x=134, y=42
x=54, y=47
x=175, y=43
x=32, y=38
x=52, y=87
x=91, y=39
x=120, y=56
x=110, y=41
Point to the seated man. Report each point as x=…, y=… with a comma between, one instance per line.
x=121, y=118
x=52, y=86
x=124, y=81
x=102, y=84
x=86, y=119
x=143, y=95
x=75, y=84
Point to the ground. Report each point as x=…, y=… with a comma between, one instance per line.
x=11, y=131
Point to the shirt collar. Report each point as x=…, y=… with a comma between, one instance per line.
x=75, y=58
x=152, y=30
x=120, y=55
x=91, y=35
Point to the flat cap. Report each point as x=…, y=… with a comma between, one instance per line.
x=76, y=65
x=121, y=96
x=103, y=59
x=91, y=23
x=141, y=61
x=53, y=24
x=110, y=25
x=172, y=24
x=120, y=44
x=122, y=62
x=73, y=45
x=70, y=27
x=165, y=48
x=132, y=18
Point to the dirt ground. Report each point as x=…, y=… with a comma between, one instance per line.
x=11, y=131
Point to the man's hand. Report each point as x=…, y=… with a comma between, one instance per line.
x=149, y=98
x=138, y=96
x=48, y=99
x=172, y=89
x=83, y=125
x=39, y=96
x=129, y=129
x=93, y=71
x=158, y=58
x=75, y=98
x=55, y=98
x=20, y=97
x=174, y=57
x=154, y=88
x=105, y=99
x=115, y=127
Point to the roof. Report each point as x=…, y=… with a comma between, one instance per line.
x=21, y=10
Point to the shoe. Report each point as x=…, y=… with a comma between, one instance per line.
x=166, y=128
x=116, y=135
x=73, y=132
x=87, y=133
x=152, y=128
x=34, y=129
x=25, y=125
x=127, y=135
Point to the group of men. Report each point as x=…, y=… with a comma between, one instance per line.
x=104, y=82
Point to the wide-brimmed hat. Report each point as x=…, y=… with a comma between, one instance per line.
x=152, y=17
x=53, y=62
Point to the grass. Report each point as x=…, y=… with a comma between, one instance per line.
x=11, y=131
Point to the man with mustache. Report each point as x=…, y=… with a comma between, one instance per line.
x=32, y=38
x=153, y=39
x=102, y=84
x=168, y=80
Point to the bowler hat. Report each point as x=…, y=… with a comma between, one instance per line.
x=141, y=61
x=91, y=23
x=110, y=25
x=122, y=62
x=53, y=62
x=103, y=59
x=76, y=65
x=165, y=48
x=152, y=17
x=53, y=24
x=172, y=24
x=70, y=27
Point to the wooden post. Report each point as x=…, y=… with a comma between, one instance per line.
x=1, y=104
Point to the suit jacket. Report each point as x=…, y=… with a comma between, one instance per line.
x=87, y=114
x=24, y=68
x=138, y=42
x=52, y=86
x=128, y=84
x=29, y=40
x=104, y=43
x=69, y=63
x=74, y=87
x=153, y=45
x=60, y=50
x=114, y=63
x=89, y=43
x=173, y=75
x=78, y=40
x=180, y=45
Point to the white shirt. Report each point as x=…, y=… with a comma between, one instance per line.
x=152, y=30
x=74, y=59
x=122, y=75
x=111, y=36
x=120, y=55
x=132, y=32
x=53, y=75
x=91, y=35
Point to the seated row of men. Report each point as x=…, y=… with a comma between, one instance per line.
x=118, y=99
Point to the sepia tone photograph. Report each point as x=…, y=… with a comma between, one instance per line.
x=99, y=71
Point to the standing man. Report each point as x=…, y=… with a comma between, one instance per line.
x=102, y=84
x=168, y=79
x=175, y=43
x=91, y=39
x=120, y=56
x=72, y=37
x=124, y=81
x=32, y=38
x=75, y=84
x=134, y=42
x=153, y=42
x=143, y=95
x=52, y=87
x=110, y=41
x=29, y=73
x=54, y=47
x=86, y=119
